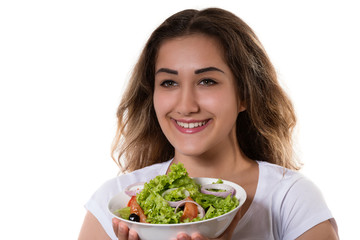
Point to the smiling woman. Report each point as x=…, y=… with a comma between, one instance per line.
x=199, y=90
x=205, y=94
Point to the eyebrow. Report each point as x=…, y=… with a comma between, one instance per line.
x=208, y=69
x=198, y=71
x=167, y=70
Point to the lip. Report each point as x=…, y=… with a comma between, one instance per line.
x=190, y=130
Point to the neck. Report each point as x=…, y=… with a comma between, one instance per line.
x=222, y=162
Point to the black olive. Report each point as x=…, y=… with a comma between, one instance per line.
x=133, y=217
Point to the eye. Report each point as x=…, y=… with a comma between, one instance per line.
x=207, y=82
x=168, y=83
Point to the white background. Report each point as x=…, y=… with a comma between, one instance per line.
x=63, y=66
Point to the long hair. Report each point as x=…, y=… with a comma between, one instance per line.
x=264, y=129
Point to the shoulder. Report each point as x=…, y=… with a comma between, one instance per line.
x=276, y=171
x=295, y=200
x=288, y=185
x=283, y=178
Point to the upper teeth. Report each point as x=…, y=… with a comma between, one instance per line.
x=191, y=125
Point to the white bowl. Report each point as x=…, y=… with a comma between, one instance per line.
x=210, y=228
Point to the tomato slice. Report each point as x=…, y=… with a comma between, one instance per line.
x=190, y=210
x=135, y=208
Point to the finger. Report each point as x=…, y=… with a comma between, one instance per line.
x=123, y=231
x=115, y=223
x=183, y=236
x=133, y=235
x=198, y=236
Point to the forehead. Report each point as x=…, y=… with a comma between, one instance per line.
x=191, y=48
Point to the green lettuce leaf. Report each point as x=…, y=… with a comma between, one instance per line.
x=124, y=212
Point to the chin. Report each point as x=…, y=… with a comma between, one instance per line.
x=191, y=151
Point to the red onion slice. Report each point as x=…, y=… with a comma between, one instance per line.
x=129, y=190
x=174, y=203
x=201, y=211
x=220, y=186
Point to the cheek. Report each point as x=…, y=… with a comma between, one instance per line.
x=221, y=103
x=157, y=103
x=162, y=104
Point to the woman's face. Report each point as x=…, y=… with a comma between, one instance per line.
x=195, y=98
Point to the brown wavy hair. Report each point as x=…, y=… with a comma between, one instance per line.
x=264, y=130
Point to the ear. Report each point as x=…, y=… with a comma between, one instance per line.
x=241, y=106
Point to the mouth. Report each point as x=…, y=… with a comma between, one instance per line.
x=190, y=125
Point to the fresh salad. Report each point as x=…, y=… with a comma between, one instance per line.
x=177, y=198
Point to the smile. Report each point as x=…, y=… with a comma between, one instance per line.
x=191, y=125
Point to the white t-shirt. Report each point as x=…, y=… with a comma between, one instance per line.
x=285, y=205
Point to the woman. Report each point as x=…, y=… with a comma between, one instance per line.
x=205, y=94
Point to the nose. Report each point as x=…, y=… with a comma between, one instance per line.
x=187, y=102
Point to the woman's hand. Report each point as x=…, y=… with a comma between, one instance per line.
x=225, y=236
x=122, y=232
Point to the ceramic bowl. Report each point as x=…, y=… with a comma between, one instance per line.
x=210, y=228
